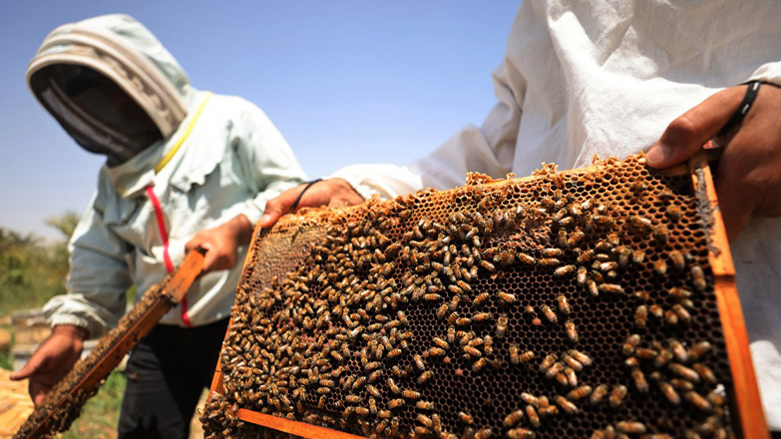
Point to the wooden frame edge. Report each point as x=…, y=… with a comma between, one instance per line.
x=751, y=415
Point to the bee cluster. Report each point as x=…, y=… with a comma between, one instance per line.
x=565, y=305
x=64, y=401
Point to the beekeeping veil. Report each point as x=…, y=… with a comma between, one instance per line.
x=110, y=84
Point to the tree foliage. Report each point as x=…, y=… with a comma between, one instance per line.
x=32, y=271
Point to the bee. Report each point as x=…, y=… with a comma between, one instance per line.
x=646, y=353
x=373, y=391
x=442, y=311
x=488, y=345
x=641, y=316
x=549, y=262
x=705, y=372
x=549, y=314
x=419, y=362
x=463, y=321
x=554, y=370
x=669, y=392
x=487, y=266
x=513, y=418
x=514, y=354
x=520, y=433
x=564, y=270
x=484, y=433
x=700, y=349
x=671, y=317
x=481, y=298
x=531, y=413
x=424, y=405
x=598, y=394
x=425, y=420
x=425, y=376
x=548, y=362
x=571, y=376
x=552, y=252
x=383, y=414
x=640, y=222
x=592, y=287
x=393, y=386
x=607, y=266
x=679, y=293
x=382, y=426
x=631, y=344
x=436, y=352
x=660, y=266
x=685, y=372
x=353, y=399
x=563, y=304
x=478, y=365
x=432, y=297
x=501, y=326
x=323, y=390
x=472, y=351
x=566, y=405
x=680, y=352
x=575, y=238
x=611, y=288
x=441, y=343
x=571, y=362
x=656, y=311
x=638, y=256
x=616, y=397
x=631, y=427
x=482, y=317
x=374, y=376
x=602, y=220
x=580, y=276
x=698, y=278
x=393, y=353
x=579, y=393
x=395, y=403
x=683, y=315
x=451, y=334
x=572, y=333
x=507, y=297
x=698, y=401
x=664, y=357
x=640, y=382
x=677, y=259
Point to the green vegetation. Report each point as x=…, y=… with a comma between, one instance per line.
x=100, y=415
x=32, y=272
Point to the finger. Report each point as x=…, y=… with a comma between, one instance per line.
x=37, y=392
x=192, y=244
x=277, y=207
x=29, y=369
x=209, y=258
x=686, y=134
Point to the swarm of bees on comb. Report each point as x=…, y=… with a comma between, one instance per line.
x=62, y=405
x=577, y=304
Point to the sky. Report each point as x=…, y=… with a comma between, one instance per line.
x=346, y=82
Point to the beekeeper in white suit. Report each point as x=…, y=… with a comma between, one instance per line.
x=612, y=78
x=184, y=169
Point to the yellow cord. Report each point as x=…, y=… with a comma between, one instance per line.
x=187, y=131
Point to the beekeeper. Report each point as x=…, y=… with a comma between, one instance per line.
x=184, y=169
x=614, y=78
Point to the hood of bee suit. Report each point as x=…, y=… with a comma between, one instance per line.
x=82, y=70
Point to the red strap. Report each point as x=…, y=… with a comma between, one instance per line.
x=169, y=265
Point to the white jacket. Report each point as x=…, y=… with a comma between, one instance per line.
x=581, y=78
x=220, y=157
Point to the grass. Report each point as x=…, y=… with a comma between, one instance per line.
x=100, y=415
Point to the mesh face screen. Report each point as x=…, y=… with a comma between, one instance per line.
x=567, y=305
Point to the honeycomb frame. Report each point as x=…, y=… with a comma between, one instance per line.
x=286, y=367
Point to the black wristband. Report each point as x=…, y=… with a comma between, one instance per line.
x=306, y=188
x=745, y=105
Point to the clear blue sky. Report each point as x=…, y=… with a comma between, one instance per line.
x=345, y=81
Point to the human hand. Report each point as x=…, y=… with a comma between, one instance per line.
x=333, y=192
x=53, y=359
x=747, y=180
x=221, y=243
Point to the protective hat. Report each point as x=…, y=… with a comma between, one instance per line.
x=110, y=84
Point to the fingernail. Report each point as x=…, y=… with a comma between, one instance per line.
x=264, y=220
x=659, y=154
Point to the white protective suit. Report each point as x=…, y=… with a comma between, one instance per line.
x=220, y=157
x=581, y=78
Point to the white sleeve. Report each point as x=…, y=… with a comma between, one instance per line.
x=770, y=72
x=488, y=149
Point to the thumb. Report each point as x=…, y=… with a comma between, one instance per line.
x=29, y=369
x=687, y=134
x=274, y=209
